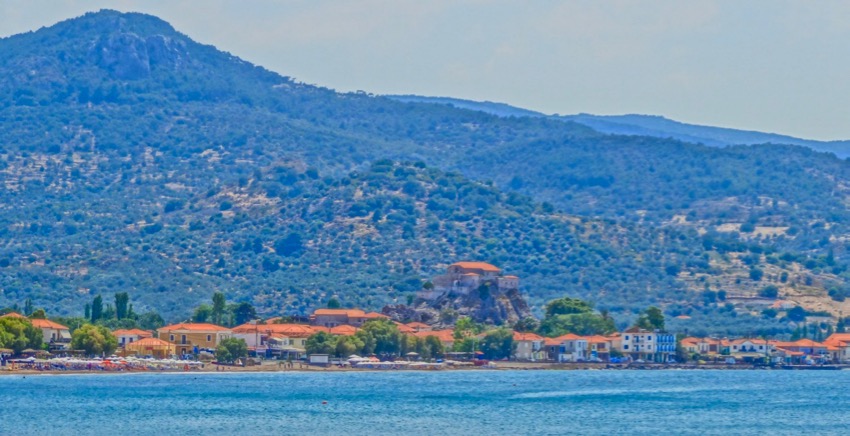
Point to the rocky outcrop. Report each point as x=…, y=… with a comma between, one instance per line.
x=128, y=56
x=482, y=306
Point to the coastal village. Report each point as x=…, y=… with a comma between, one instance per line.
x=191, y=345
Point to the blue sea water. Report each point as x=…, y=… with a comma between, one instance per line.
x=429, y=403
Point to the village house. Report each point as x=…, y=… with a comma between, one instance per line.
x=191, y=338
x=529, y=346
x=749, y=350
x=811, y=350
x=841, y=343
x=55, y=335
x=128, y=336
x=149, y=346
x=599, y=348
x=335, y=317
x=571, y=348
x=288, y=340
x=461, y=278
x=647, y=345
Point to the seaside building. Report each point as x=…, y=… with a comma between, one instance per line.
x=191, y=338
x=157, y=348
x=128, y=336
x=571, y=348
x=599, y=348
x=55, y=335
x=288, y=340
x=336, y=317
x=461, y=278
x=841, y=343
x=648, y=345
x=529, y=346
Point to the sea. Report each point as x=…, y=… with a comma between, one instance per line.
x=474, y=402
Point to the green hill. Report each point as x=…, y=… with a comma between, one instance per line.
x=133, y=158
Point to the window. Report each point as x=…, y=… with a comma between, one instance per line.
x=627, y=338
x=649, y=338
x=209, y=338
x=625, y=347
x=172, y=338
x=649, y=347
x=183, y=339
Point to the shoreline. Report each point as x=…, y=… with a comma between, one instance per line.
x=503, y=366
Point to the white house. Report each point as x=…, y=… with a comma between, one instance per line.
x=573, y=348
x=529, y=346
x=128, y=336
x=647, y=345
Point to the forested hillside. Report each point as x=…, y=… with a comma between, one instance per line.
x=134, y=159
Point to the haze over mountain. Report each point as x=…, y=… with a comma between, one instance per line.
x=645, y=125
x=135, y=159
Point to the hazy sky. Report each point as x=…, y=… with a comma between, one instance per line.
x=776, y=66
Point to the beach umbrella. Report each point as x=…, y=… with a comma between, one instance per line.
x=412, y=354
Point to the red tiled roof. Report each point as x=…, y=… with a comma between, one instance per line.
x=13, y=315
x=351, y=313
x=194, y=326
x=281, y=329
x=404, y=328
x=343, y=330
x=484, y=266
x=838, y=339
x=418, y=325
x=375, y=315
x=131, y=332
x=518, y=336
x=47, y=324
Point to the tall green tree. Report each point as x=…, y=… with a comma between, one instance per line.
x=28, y=309
x=94, y=340
x=122, y=299
x=218, y=307
x=97, y=309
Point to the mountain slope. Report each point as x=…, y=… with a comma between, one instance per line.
x=134, y=158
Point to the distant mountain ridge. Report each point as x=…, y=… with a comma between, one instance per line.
x=646, y=125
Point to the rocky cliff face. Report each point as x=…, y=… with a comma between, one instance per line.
x=482, y=306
